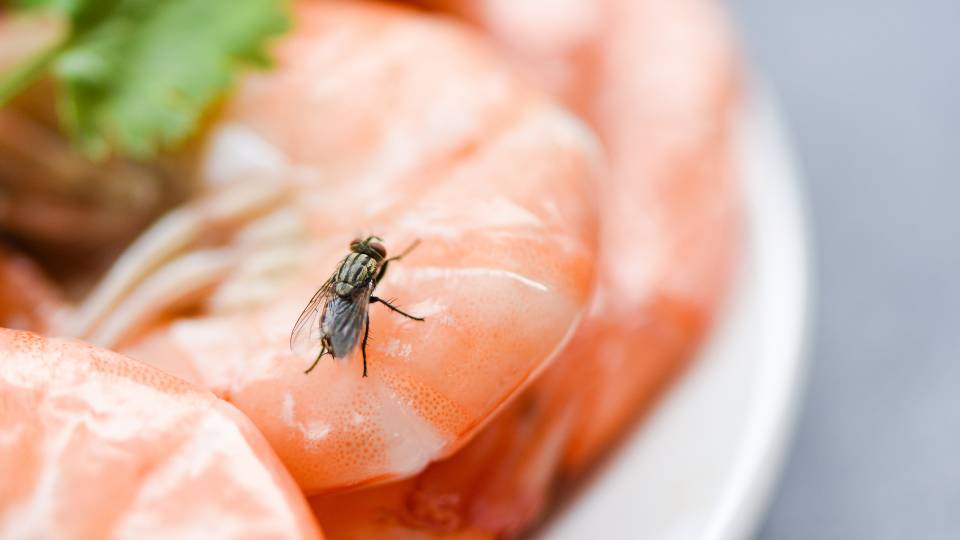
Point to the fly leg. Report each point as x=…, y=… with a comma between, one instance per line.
x=405, y=252
x=363, y=346
x=374, y=299
x=323, y=351
x=383, y=266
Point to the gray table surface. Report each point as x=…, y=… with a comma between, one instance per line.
x=871, y=90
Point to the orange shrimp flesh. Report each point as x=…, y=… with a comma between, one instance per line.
x=348, y=135
x=658, y=80
x=95, y=445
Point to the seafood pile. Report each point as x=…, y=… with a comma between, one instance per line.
x=566, y=168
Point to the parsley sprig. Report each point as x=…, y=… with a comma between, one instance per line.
x=134, y=77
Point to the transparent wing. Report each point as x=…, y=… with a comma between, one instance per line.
x=345, y=320
x=306, y=332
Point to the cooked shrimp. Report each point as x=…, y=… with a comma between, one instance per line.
x=376, y=121
x=657, y=79
x=492, y=488
x=95, y=445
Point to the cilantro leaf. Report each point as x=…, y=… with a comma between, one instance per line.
x=136, y=76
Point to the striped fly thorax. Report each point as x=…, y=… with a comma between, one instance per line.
x=354, y=271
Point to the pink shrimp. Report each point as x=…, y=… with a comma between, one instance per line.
x=658, y=81
x=382, y=121
x=95, y=445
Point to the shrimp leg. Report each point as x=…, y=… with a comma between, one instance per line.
x=374, y=299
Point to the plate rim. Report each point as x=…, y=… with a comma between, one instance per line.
x=750, y=495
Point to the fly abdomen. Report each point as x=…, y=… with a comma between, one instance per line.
x=341, y=325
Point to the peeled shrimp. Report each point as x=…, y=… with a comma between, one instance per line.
x=657, y=80
x=378, y=121
x=95, y=445
x=494, y=487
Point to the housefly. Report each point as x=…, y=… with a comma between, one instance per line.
x=338, y=310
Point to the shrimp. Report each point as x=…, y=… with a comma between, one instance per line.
x=658, y=81
x=492, y=488
x=95, y=445
x=380, y=121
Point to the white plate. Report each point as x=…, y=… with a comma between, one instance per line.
x=702, y=465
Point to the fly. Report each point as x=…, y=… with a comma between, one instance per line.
x=340, y=307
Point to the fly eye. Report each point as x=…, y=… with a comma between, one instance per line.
x=355, y=242
x=378, y=247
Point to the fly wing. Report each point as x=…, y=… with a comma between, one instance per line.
x=345, y=318
x=306, y=332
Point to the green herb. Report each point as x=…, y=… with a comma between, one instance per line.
x=135, y=76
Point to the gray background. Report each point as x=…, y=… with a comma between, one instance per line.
x=871, y=89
